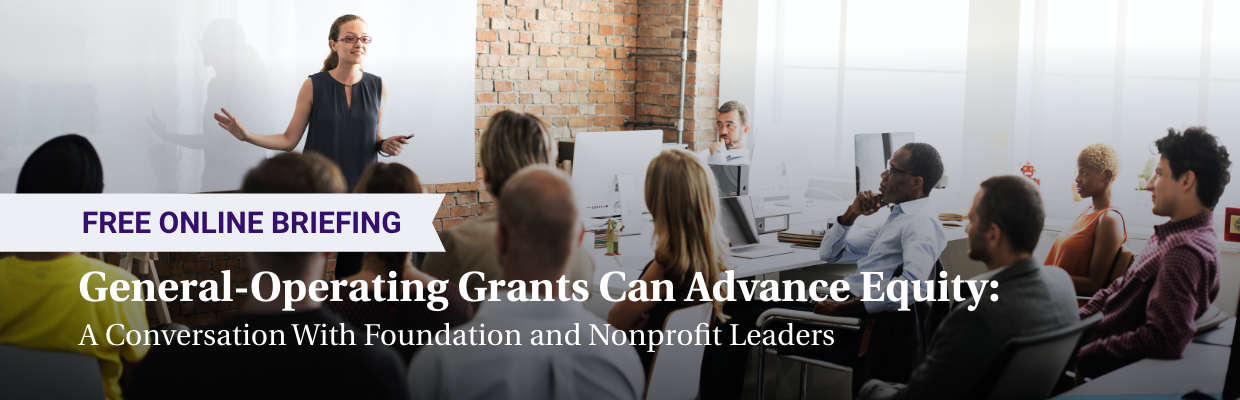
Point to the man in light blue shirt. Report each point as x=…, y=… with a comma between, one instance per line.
x=911, y=237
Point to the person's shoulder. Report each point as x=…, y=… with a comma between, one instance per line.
x=1111, y=220
x=111, y=273
x=371, y=76
x=483, y=225
x=1188, y=251
x=319, y=75
x=1201, y=242
x=1055, y=277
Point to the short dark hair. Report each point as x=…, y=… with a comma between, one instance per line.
x=1198, y=151
x=308, y=172
x=1014, y=204
x=65, y=164
x=388, y=178
x=924, y=161
x=292, y=173
x=736, y=106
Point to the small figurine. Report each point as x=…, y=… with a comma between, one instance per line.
x=613, y=237
x=1147, y=173
x=1028, y=171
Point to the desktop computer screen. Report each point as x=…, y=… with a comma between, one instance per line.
x=599, y=157
x=872, y=151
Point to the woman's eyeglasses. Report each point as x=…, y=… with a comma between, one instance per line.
x=354, y=39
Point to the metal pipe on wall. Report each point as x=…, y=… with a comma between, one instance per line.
x=684, y=66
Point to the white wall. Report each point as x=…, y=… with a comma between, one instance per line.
x=1085, y=71
x=121, y=72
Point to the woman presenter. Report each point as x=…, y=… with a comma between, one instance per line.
x=342, y=106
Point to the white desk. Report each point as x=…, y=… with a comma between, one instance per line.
x=1202, y=368
x=638, y=250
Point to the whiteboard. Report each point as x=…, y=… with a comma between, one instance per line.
x=142, y=78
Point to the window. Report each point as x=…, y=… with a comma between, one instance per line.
x=847, y=67
x=1122, y=72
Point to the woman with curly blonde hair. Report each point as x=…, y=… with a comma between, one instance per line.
x=1088, y=248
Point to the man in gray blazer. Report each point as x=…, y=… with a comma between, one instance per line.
x=1007, y=218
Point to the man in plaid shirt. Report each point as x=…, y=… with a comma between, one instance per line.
x=1151, y=311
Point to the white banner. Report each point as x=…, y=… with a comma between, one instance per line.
x=219, y=222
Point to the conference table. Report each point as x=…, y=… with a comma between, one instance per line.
x=638, y=250
x=1202, y=368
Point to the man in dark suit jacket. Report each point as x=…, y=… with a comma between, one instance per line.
x=1007, y=218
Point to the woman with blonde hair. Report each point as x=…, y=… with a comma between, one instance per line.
x=1088, y=248
x=683, y=199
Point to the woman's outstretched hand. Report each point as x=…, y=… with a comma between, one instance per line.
x=230, y=124
x=394, y=144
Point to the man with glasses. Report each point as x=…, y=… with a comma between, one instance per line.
x=911, y=237
x=905, y=247
x=910, y=241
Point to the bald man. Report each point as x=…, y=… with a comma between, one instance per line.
x=537, y=232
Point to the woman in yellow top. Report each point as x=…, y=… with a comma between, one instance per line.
x=1088, y=248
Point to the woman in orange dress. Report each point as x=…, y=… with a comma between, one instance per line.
x=1088, y=248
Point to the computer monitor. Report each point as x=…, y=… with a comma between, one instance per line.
x=600, y=156
x=736, y=213
x=872, y=152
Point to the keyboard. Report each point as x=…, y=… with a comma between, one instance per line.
x=739, y=250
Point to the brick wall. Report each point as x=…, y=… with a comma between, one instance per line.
x=565, y=61
x=658, y=78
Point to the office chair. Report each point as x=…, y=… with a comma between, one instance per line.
x=676, y=369
x=893, y=364
x=38, y=374
x=1030, y=366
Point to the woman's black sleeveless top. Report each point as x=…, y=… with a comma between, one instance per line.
x=345, y=134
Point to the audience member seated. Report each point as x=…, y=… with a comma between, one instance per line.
x=535, y=237
x=1088, y=248
x=40, y=304
x=402, y=315
x=1006, y=217
x=682, y=197
x=274, y=371
x=1150, y=311
x=909, y=242
x=512, y=140
x=378, y=178
x=731, y=125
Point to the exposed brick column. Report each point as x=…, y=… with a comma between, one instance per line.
x=658, y=78
x=562, y=60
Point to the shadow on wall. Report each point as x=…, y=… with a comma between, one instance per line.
x=22, y=129
x=240, y=85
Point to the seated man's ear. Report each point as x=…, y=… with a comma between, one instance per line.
x=994, y=236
